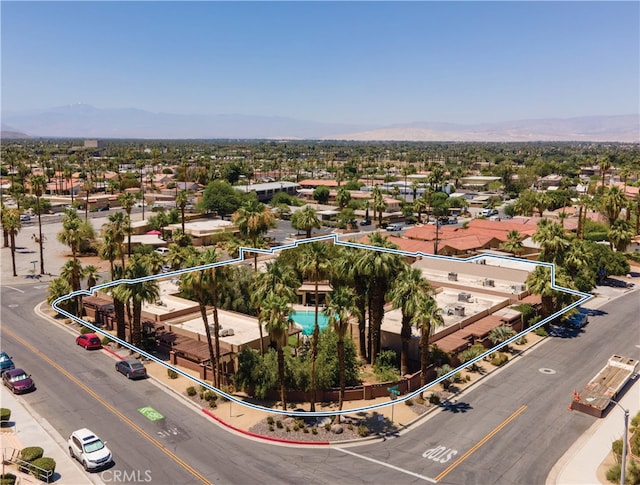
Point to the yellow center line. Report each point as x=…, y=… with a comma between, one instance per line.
x=137, y=428
x=480, y=443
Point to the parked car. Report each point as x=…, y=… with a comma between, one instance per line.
x=88, y=449
x=5, y=363
x=132, y=368
x=365, y=222
x=25, y=218
x=103, y=208
x=488, y=212
x=162, y=251
x=394, y=227
x=18, y=381
x=89, y=341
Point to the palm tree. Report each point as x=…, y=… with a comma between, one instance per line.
x=275, y=315
x=305, y=220
x=57, y=288
x=92, y=273
x=382, y=268
x=340, y=308
x=552, y=239
x=127, y=201
x=620, y=235
x=315, y=263
x=72, y=273
x=279, y=279
x=539, y=282
x=427, y=318
x=181, y=201
x=378, y=203
x=500, y=334
x=254, y=219
x=421, y=205
x=612, y=202
x=11, y=224
x=135, y=294
x=201, y=286
x=513, y=244
x=5, y=233
x=38, y=185
x=343, y=197
x=406, y=293
x=604, y=164
x=87, y=186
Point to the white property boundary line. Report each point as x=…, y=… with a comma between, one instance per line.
x=330, y=237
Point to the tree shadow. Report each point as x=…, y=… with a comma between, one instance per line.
x=455, y=407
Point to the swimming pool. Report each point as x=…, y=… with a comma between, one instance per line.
x=307, y=319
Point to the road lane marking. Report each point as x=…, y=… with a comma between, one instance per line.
x=111, y=408
x=15, y=289
x=150, y=413
x=393, y=467
x=473, y=449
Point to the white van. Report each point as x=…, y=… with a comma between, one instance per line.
x=162, y=251
x=394, y=227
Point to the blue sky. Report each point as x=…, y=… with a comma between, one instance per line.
x=360, y=62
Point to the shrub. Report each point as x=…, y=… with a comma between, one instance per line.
x=85, y=330
x=327, y=426
x=350, y=427
x=409, y=402
x=500, y=359
x=172, y=374
x=616, y=447
x=613, y=474
x=541, y=332
x=522, y=340
x=213, y=404
x=7, y=479
x=5, y=415
x=210, y=396
x=271, y=428
x=270, y=420
x=434, y=399
x=46, y=464
x=314, y=430
x=106, y=341
x=191, y=391
x=31, y=453
x=305, y=430
x=363, y=430
x=279, y=424
x=296, y=427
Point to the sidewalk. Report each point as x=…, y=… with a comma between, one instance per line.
x=580, y=463
x=29, y=429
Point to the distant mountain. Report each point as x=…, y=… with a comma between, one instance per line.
x=623, y=128
x=85, y=121
x=7, y=131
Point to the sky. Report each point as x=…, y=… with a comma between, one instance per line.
x=351, y=62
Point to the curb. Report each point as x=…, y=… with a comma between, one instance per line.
x=263, y=437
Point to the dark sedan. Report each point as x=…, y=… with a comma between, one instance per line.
x=18, y=381
x=132, y=368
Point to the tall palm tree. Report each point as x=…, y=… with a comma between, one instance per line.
x=378, y=203
x=201, y=286
x=604, y=164
x=4, y=211
x=38, y=185
x=92, y=274
x=135, y=294
x=72, y=273
x=382, y=268
x=340, y=308
x=275, y=315
x=305, y=220
x=406, y=293
x=254, y=219
x=315, y=263
x=279, y=279
x=127, y=201
x=539, y=282
x=57, y=288
x=181, y=201
x=620, y=235
x=11, y=224
x=343, y=197
x=427, y=318
x=612, y=202
x=87, y=186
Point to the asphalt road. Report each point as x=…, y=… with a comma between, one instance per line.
x=511, y=429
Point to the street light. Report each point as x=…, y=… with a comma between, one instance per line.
x=624, y=436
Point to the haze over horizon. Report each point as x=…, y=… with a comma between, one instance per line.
x=353, y=63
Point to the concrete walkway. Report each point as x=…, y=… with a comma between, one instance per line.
x=28, y=428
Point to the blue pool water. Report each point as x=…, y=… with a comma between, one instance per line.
x=307, y=319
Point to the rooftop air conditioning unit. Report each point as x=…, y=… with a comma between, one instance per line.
x=459, y=311
x=464, y=296
x=520, y=287
x=488, y=282
x=452, y=276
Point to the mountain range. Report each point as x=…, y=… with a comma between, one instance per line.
x=85, y=121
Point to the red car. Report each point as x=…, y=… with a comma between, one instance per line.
x=18, y=381
x=89, y=341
